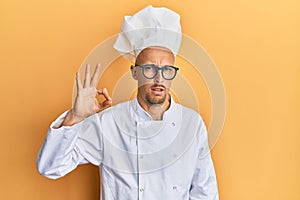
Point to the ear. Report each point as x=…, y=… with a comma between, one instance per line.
x=133, y=72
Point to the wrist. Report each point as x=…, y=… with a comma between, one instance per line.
x=71, y=119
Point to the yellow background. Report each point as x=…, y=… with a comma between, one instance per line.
x=255, y=44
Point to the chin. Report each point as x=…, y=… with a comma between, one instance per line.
x=155, y=99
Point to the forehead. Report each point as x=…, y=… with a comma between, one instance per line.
x=156, y=55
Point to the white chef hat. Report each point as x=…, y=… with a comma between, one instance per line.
x=149, y=27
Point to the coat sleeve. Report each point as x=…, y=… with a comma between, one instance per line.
x=68, y=146
x=204, y=183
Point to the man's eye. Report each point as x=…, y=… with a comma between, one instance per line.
x=168, y=68
x=148, y=68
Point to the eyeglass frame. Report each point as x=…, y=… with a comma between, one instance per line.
x=157, y=69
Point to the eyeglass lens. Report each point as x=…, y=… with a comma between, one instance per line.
x=150, y=71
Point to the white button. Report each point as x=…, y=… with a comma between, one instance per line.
x=174, y=187
x=141, y=189
x=173, y=123
x=77, y=149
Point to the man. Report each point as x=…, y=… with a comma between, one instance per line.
x=147, y=148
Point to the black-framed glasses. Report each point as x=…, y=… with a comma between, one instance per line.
x=150, y=71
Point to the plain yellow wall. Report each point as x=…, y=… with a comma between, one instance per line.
x=255, y=44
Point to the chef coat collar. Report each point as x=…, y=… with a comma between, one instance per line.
x=144, y=116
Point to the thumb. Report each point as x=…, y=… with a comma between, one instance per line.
x=103, y=105
x=106, y=103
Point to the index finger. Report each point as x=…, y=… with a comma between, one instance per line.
x=104, y=92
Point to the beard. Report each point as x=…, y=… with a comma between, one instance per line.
x=155, y=99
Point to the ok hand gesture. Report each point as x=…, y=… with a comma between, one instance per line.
x=86, y=102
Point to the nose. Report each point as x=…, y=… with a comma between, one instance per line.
x=158, y=78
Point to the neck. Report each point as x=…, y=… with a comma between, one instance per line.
x=156, y=111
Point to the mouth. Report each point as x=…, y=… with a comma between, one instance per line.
x=157, y=90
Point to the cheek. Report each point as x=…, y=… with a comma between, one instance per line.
x=168, y=84
x=144, y=89
x=142, y=80
x=145, y=84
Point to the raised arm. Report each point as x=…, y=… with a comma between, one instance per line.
x=74, y=138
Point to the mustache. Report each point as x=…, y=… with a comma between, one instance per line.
x=158, y=85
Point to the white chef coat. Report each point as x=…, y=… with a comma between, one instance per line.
x=139, y=158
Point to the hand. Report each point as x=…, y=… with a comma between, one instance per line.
x=86, y=103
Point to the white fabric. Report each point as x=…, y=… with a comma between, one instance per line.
x=169, y=159
x=149, y=27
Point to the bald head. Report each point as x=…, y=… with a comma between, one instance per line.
x=156, y=53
